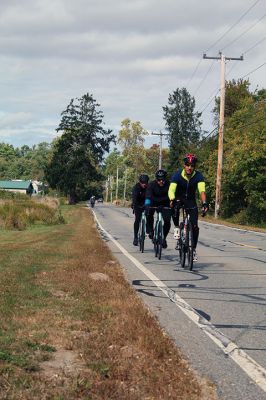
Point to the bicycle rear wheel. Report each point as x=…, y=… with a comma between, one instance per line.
x=160, y=239
x=182, y=246
x=190, y=246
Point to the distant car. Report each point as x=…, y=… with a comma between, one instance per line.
x=100, y=200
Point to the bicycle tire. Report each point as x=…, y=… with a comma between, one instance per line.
x=160, y=240
x=190, y=246
x=142, y=237
x=182, y=247
x=155, y=239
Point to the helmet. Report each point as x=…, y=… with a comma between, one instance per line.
x=190, y=159
x=143, y=178
x=161, y=174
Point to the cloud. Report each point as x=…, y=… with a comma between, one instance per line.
x=129, y=54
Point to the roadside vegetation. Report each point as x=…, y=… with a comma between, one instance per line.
x=19, y=211
x=73, y=328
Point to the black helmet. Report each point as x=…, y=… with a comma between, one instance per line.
x=161, y=174
x=143, y=178
x=190, y=159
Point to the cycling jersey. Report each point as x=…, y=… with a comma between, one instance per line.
x=138, y=195
x=183, y=188
x=157, y=195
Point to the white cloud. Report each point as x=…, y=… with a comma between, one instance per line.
x=129, y=54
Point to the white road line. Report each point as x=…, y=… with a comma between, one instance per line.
x=255, y=371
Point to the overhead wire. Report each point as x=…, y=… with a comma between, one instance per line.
x=228, y=30
x=251, y=72
x=203, y=79
x=193, y=74
x=243, y=33
x=255, y=45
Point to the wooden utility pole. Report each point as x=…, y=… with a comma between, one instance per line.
x=161, y=146
x=223, y=59
x=116, y=192
x=125, y=185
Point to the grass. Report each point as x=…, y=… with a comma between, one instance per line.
x=20, y=212
x=73, y=328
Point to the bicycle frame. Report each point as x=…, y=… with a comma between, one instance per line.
x=142, y=231
x=186, y=243
x=158, y=231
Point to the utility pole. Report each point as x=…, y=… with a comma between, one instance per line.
x=161, y=146
x=125, y=185
x=116, y=192
x=107, y=188
x=223, y=59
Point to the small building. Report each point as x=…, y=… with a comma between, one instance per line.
x=17, y=186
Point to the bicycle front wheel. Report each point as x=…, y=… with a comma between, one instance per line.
x=190, y=246
x=142, y=237
x=155, y=239
x=160, y=239
x=182, y=246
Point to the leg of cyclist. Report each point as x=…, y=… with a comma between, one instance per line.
x=137, y=211
x=194, y=220
x=167, y=226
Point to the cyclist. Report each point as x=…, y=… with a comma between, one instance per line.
x=157, y=196
x=183, y=186
x=92, y=201
x=138, y=199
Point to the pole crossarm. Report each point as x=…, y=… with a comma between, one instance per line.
x=241, y=58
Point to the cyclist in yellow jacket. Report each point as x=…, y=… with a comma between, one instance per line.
x=184, y=184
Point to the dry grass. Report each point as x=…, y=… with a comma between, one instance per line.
x=73, y=328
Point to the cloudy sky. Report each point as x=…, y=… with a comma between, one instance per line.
x=129, y=54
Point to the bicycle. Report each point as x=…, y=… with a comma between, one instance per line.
x=185, y=243
x=158, y=237
x=142, y=231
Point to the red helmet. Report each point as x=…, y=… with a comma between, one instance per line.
x=190, y=159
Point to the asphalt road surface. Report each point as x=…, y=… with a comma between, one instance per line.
x=216, y=314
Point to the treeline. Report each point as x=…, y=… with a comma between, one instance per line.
x=25, y=162
x=75, y=166
x=244, y=165
x=244, y=161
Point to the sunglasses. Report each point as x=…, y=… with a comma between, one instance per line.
x=190, y=165
x=161, y=180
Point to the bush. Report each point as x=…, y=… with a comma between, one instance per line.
x=18, y=214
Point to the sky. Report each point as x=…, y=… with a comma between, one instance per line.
x=129, y=54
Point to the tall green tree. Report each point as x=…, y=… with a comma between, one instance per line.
x=79, y=151
x=183, y=124
x=131, y=138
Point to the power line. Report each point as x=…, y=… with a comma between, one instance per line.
x=213, y=97
x=193, y=74
x=203, y=79
x=243, y=33
x=228, y=30
x=256, y=44
x=251, y=72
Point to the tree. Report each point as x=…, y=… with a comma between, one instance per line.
x=236, y=93
x=131, y=138
x=80, y=150
x=183, y=124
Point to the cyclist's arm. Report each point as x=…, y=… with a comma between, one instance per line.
x=202, y=192
x=172, y=190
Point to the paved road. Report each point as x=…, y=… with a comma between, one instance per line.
x=215, y=314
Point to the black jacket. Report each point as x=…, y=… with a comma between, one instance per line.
x=158, y=195
x=138, y=195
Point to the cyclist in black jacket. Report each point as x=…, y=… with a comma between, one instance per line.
x=157, y=195
x=138, y=199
